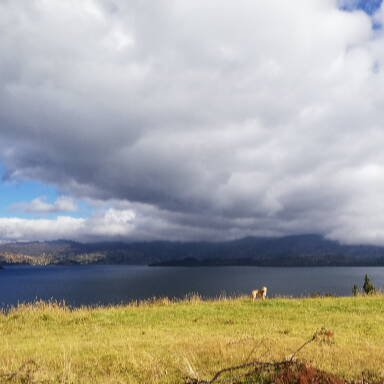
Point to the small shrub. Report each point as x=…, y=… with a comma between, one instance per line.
x=368, y=286
x=355, y=290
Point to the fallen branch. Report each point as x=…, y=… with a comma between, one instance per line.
x=259, y=364
x=323, y=335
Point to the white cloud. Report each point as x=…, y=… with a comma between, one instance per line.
x=36, y=229
x=40, y=205
x=221, y=118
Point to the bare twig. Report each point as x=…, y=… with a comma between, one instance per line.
x=313, y=338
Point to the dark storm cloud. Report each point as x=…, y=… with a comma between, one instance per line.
x=207, y=119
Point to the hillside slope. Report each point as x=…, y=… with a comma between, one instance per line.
x=306, y=250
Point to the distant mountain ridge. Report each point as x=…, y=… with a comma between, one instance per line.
x=295, y=250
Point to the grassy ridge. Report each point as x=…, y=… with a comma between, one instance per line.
x=162, y=342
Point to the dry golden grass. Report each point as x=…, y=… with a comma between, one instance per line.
x=163, y=341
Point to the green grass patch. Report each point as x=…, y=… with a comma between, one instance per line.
x=165, y=341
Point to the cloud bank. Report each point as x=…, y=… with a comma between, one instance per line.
x=208, y=119
x=112, y=224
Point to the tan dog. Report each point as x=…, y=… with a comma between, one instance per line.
x=262, y=293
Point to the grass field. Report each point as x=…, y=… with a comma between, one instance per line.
x=163, y=341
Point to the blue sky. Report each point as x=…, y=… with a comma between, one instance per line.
x=14, y=192
x=369, y=6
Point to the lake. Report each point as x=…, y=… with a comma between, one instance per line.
x=112, y=284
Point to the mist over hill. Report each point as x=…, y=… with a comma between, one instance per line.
x=297, y=250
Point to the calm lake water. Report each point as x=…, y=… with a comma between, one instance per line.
x=111, y=284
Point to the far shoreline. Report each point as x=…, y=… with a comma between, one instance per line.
x=196, y=265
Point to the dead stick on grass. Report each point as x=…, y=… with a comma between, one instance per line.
x=260, y=364
x=12, y=375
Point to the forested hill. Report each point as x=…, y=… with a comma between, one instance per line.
x=300, y=250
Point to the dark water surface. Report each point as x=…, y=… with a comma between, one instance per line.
x=111, y=284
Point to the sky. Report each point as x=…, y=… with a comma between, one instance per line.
x=191, y=119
